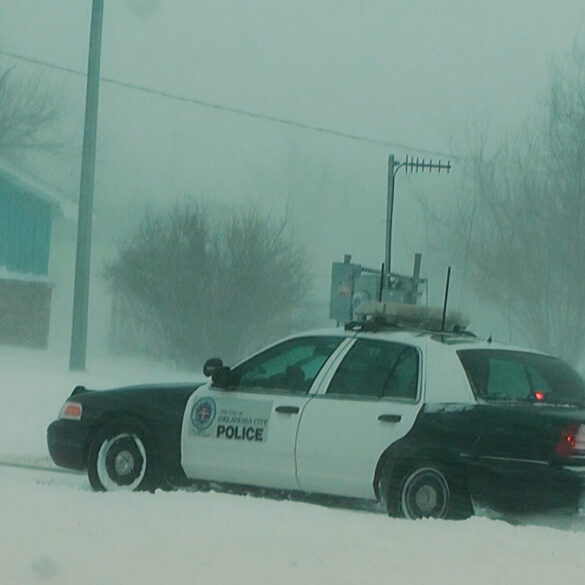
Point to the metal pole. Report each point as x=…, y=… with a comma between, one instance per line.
x=389, y=212
x=83, y=257
x=413, y=297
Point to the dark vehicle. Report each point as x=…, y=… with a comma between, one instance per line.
x=427, y=423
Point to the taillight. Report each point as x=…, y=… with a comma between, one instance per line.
x=572, y=440
x=71, y=411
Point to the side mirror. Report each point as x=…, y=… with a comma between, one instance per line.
x=222, y=377
x=211, y=365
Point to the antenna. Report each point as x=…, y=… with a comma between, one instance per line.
x=381, y=282
x=446, y=297
x=410, y=165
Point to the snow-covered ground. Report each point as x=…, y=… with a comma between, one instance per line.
x=55, y=530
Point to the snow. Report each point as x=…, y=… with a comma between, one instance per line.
x=6, y=274
x=56, y=530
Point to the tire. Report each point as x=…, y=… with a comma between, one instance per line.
x=121, y=457
x=427, y=491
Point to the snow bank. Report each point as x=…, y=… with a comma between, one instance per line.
x=60, y=532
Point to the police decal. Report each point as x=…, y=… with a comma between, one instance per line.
x=242, y=420
x=203, y=413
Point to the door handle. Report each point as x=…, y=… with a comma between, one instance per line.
x=287, y=409
x=393, y=418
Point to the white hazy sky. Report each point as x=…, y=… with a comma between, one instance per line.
x=404, y=72
x=418, y=74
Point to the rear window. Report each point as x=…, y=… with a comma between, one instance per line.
x=521, y=376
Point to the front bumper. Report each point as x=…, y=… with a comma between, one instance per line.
x=67, y=441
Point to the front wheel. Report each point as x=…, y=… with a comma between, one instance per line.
x=121, y=458
x=426, y=491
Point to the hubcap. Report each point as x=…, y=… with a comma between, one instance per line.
x=124, y=463
x=426, y=499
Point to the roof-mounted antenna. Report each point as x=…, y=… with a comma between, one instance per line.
x=446, y=297
x=381, y=289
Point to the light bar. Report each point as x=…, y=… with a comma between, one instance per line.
x=412, y=316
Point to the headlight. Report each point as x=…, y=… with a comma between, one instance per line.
x=71, y=411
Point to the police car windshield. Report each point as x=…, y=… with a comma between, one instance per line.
x=501, y=375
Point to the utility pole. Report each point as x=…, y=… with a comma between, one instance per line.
x=410, y=165
x=78, y=349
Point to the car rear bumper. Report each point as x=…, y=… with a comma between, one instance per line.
x=575, y=469
x=66, y=441
x=527, y=485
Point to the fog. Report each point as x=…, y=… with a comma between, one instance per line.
x=384, y=77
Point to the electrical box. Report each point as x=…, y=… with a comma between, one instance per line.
x=343, y=278
x=353, y=284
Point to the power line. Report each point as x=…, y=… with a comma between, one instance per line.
x=233, y=110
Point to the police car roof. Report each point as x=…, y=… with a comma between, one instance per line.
x=424, y=337
x=418, y=337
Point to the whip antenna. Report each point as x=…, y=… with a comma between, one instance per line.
x=446, y=297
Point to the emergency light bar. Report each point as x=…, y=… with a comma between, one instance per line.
x=411, y=316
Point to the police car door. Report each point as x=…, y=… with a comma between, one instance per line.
x=246, y=434
x=367, y=403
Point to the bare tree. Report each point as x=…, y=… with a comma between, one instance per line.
x=521, y=222
x=210, y=283
x=27, y=111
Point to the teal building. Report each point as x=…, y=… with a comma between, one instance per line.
x=28, y=209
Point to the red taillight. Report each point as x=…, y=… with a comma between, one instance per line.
x=71, y=411
x=539, y=396
x=568, y=442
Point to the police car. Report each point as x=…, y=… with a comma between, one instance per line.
x=422, y=418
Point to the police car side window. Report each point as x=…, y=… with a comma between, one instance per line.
x=403, y=378
x=375, y=368
x=289, y=367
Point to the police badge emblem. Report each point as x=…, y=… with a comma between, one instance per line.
x=203, y=413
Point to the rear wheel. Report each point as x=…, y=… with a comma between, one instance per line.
x=428, y=491
x=425, y=493
x=121, y=457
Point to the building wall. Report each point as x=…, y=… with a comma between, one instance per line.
x=25, y=231
x=25, y=308
x=25, y=243
x=37, y=269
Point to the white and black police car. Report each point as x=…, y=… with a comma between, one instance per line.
x=427, y=423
